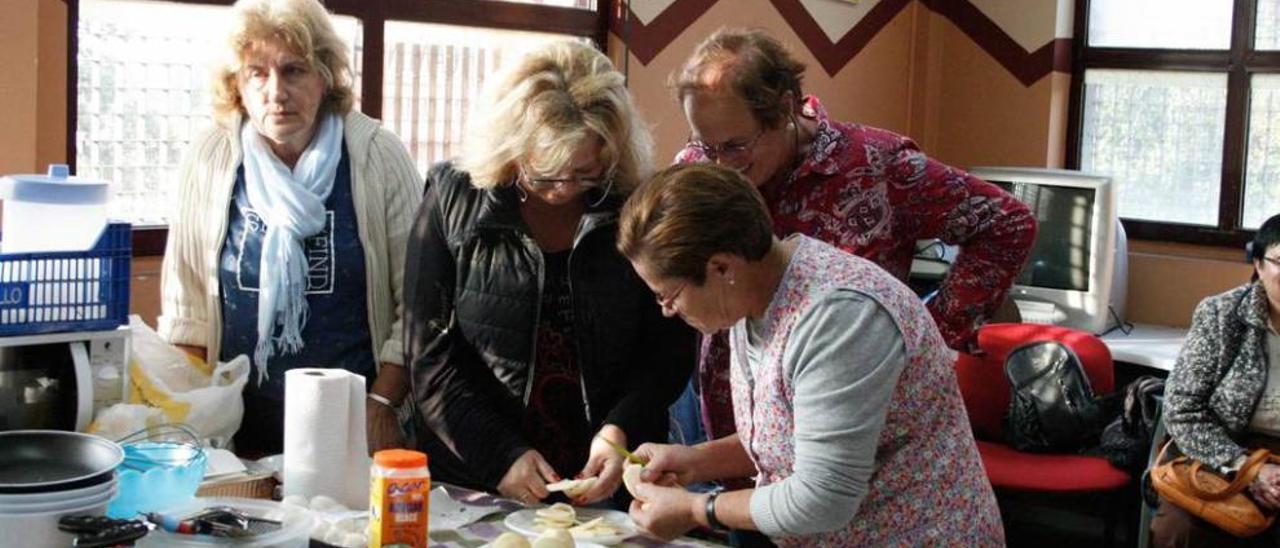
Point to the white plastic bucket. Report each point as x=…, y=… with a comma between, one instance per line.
x=40, y=529
x=26, y=508
x=54, y=496
x=54, y=212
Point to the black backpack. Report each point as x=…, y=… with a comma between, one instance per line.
x=1126, y=441
x=1052, y=407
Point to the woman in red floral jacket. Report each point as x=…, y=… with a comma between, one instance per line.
x=865, y=190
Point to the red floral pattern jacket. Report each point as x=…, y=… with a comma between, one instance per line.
x=873, y=193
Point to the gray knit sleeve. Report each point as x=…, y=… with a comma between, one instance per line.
x=843, y=358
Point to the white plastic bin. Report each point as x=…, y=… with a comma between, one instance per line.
x=54, y=212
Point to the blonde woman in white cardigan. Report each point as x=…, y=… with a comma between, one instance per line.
x=293, y=216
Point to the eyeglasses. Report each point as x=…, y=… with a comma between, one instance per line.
x=669, y=301
x=732, y=153
x=559, y=182
x=1275, y=261
x=594, y=184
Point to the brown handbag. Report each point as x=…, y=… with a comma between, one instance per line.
x=1186, y=484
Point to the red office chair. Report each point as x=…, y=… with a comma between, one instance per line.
x=986, y=397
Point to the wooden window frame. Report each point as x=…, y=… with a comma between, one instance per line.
x=373, y=15
x=1238, y=63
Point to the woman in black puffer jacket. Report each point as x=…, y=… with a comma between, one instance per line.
x=529, y=337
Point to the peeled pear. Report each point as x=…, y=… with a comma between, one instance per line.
x=572, y=487
x=631, y=476
x=554, y=538
x=510, y=540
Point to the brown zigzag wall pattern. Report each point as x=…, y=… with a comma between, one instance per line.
x=646, y=41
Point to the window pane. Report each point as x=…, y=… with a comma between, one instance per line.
x=1262, y=174
x=1159, y=136
x=432, y=73
x=1268, y=36
x=580, y=4
x=1175, y=24
x=143, y=92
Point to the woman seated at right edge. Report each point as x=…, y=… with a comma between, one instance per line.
x=1223, y=396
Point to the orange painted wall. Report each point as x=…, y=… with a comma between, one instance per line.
x=33, y=89
x=975, y=111
x=1167, y=280
x=33, y=107
x=51, y=101
x=920, y=76
x=18, y=62
x=871, y=89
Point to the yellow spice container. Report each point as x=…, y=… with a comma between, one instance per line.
x=399, y=499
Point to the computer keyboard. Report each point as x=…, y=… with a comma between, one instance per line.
x=1039, y=312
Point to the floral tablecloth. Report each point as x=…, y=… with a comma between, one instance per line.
x=487, y=529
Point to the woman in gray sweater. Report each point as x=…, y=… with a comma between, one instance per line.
x=844, y=393
x=1223, y=397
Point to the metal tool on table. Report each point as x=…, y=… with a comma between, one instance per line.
x=102, y=532
x=217, y=521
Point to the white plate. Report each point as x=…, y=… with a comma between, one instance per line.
x=576, y=544
x=522, y=522
x=449, y=515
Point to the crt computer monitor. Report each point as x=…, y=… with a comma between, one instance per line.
x=1077, y=273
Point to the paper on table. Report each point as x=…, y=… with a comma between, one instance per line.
x=448, y=514
x=221, y=463
x=325, y=449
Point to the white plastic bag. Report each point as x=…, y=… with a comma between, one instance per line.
x=122, y=419
x=185, y=388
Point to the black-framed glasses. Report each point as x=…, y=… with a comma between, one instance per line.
x=1275, y=261
x=731, y=152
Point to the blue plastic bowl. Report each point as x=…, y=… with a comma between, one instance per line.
x=155, y=476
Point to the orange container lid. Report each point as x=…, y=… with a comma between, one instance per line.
x=400, y=458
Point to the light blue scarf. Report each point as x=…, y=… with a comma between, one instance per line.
x=291, y=203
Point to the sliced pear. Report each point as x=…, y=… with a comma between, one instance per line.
x=554, y=538
x=572, y=487
x=631, y=476
x=510, y=540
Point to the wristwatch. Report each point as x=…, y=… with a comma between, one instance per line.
x=711, y=513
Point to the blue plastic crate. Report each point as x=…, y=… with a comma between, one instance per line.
x=67, y=290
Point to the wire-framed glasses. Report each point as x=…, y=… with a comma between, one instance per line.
x=730, y=152
x=598, y=186
x=669, y=300
x=597, y=181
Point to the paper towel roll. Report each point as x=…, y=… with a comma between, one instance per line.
x=325, y=449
